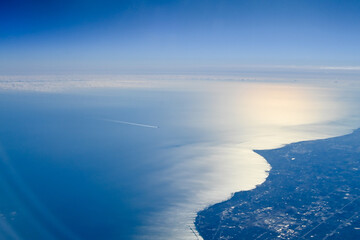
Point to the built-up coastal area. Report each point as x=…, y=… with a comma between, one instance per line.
x=312, y=192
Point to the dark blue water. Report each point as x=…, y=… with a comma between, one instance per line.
x=76, y=175
x=66, y=172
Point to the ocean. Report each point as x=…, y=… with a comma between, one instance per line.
x=119, y=162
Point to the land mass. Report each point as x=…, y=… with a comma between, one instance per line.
x=312, y=192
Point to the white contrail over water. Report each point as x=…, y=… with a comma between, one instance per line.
x=130, y=123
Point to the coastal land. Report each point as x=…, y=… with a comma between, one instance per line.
x=312, y=192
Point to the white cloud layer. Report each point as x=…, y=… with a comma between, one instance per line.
x=314, y=75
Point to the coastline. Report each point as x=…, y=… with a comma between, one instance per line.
x=268, y=211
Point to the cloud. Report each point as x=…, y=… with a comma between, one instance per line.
x=207, y=77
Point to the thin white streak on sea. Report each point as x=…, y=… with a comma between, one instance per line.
x=130, y=123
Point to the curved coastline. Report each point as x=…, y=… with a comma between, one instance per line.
x=311, y=187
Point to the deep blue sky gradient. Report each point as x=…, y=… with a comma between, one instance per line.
x=116, y=35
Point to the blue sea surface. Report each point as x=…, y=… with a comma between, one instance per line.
x=98, y=178
x=70, y=171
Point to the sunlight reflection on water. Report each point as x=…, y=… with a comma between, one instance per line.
x=243, y=117
x=201, y=153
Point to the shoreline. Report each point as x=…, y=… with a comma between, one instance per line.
x=227, y=218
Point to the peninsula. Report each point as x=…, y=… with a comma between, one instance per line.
x=312, y=192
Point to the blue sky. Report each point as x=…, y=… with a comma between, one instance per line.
x=80, y=35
